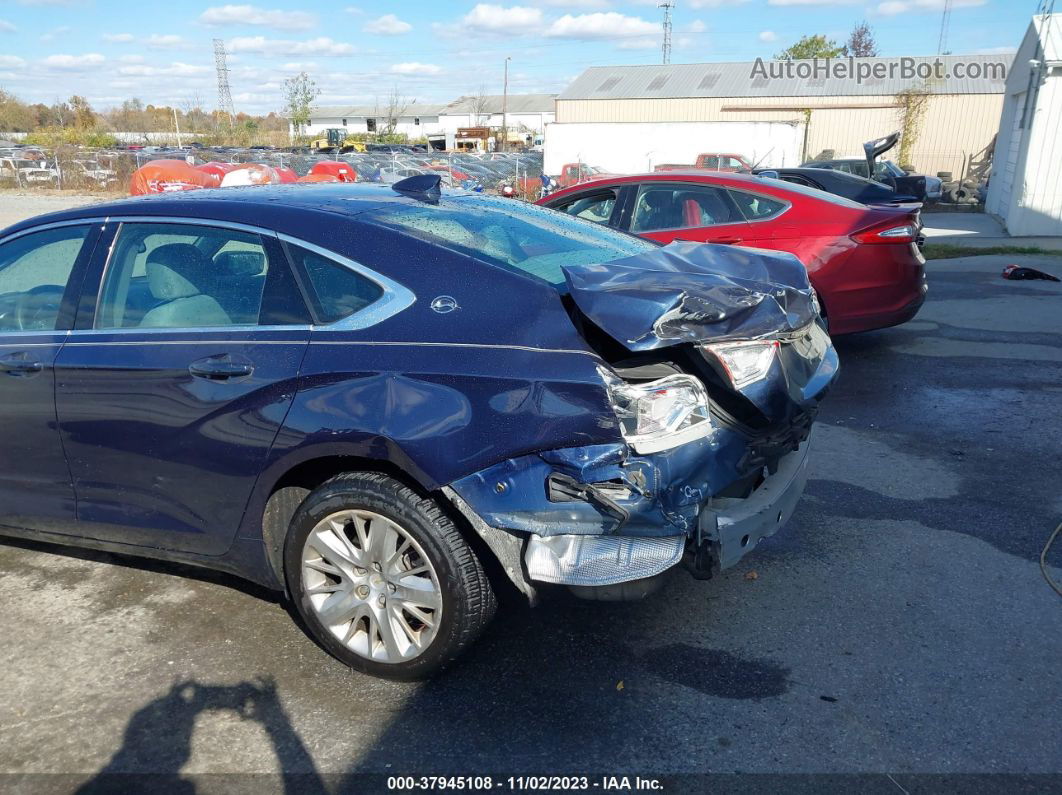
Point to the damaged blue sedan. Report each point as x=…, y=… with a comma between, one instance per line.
x=390, y=402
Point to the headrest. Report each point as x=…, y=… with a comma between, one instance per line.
x=178, y=270
x=239, y=264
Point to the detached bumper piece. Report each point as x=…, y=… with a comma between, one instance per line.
x=599, y=560
x=735, y=526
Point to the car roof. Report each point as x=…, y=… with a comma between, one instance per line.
x=264, y=205
x=729, y=178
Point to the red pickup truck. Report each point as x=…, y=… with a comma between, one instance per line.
x=713, y=161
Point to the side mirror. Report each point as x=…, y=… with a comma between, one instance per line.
x=768, y=173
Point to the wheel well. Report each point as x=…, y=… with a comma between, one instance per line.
x=293, y=487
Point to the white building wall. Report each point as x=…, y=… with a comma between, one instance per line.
x=636, y=147
x=358, y=124
x=535, y=122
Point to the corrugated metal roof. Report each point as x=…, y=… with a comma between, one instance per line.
x=517, y=103
x=785, y=79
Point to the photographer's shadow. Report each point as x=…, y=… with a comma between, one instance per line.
x=158, y=739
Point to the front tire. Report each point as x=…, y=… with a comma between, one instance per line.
x=383, y=578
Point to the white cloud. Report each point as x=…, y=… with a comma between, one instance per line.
x=176, y=68
x=167, y=41
x=601, y=25
x=580, y=3
x=6, y=27
x=74, y=62
x=810, y=2
x=51, y=34
x=253, y=15
x=260, y=45
x=893, y=7
x=697, y=26
x=132, y=59
x=11, y=62
x=387, y=25
x=768, y=36
x=499, y=19
x=415, y=68
x=118, y=37
x=697, y=4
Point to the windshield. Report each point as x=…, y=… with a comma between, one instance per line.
x=888, y=168
x=518, y=236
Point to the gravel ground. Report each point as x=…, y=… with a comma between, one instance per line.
x=899, y=624
x=15, y=205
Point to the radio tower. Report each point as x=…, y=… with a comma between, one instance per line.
x=224, y=95
x=945, y=18
x=667, y=5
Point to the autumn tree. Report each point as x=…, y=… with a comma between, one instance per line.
x=84, y=115
x=300, y=92
x=811, y=47
x=861, y=42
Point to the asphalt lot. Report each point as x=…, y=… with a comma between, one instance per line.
x=899, y=624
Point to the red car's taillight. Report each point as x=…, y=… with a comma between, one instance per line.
x=888, y=232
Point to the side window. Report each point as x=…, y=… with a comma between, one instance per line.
x=337, y=291
x=682, y=207
x=756, y=207
x=712, y=161
x=797, y=180
x=34, y=271
x=733, y=162
x=183, y=276
x=596, y=208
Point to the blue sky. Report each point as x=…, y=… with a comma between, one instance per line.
x=432, y=50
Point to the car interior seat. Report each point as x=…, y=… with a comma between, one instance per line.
x=178, y=274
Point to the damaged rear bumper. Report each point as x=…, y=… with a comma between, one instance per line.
x=585, y=543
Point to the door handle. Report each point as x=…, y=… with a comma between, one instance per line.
x=727, y=240
x=222, y=367
x=20, y=365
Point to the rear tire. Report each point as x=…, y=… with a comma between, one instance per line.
x=382, y=577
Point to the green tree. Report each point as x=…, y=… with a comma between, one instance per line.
x=15, y=115
x=299, y=93
x=811, y=47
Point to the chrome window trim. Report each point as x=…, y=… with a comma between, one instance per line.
x=725, y=188
x=788, y=205
x=395, y=297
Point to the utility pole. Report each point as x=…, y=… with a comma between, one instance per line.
x=945, y=18
x=667, y=5
x=505, y=107
x=177, y=127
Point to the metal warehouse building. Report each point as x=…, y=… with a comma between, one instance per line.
x=959, y=124
x=1026, y=185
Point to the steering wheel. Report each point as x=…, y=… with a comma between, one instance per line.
x=38, y=307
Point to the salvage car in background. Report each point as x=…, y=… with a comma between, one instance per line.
x=864, y=262
x=923, y=188
x=373, y=396
x=841, y=183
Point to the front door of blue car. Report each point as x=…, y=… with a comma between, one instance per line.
x=40, y=273
x=175, y=380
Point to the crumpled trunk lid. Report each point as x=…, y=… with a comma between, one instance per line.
x=696, y=294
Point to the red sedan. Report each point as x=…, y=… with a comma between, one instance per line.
x=863, y=261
